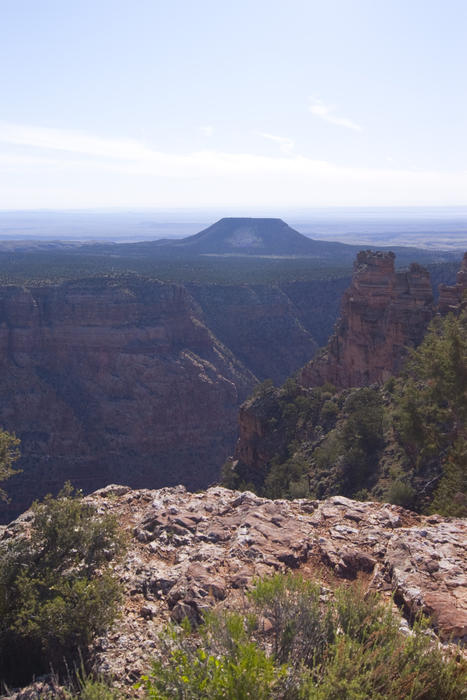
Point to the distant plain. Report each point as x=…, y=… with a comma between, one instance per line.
x=423, y=227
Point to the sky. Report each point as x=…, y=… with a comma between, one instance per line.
x=233, y=105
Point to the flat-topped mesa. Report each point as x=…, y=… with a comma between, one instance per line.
x=451, y=296
x=383, y=312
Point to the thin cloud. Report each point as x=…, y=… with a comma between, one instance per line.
x=53, y=167
x=326, y=112
x=71, y=141
x=285, y=144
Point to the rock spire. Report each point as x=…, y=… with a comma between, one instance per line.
x=383, y=312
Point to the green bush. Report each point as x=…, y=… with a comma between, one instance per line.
x=385, y=666
x=228, y=664
x=57, y=590
x=450, y=497
x=329, y=413
x=87, y=686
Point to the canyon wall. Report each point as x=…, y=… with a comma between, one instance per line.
x=129, y=379
x=106, y=380
x=383, y=313
x=260, y=325
x=272, y=329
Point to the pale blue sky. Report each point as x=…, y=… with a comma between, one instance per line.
x=211, y=103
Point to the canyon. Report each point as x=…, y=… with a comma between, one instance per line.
x=130, y=379
x=126, y=378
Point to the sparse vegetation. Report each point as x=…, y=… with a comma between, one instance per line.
x=57, y=587
x=405, y=442
x=296, y=641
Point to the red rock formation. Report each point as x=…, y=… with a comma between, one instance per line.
x=451, y=297
x=106, y=380
x=383, y=313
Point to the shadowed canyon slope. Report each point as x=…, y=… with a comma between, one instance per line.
x=103, y=379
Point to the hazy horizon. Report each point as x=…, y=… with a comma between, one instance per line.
x=433, y=227
x=251, y=105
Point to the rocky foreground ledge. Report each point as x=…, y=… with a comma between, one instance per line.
x=192, y=551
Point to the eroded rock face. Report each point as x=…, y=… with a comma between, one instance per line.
x=106, y=380
x=383, y=312
x=189, y=552
x=452, y=296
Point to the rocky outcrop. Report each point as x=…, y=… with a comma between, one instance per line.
x=191, y=552
x=107, y=379
x=451, y=297
x=383, y=312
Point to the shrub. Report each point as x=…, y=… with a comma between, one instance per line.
x=57, y=590
x=301, y=627
x=401, y=494
x=385, y=665
x=87, y=686
x=430, y=415
x=9, y=453
x=228, y=664
x=313, y=648
x=329, y=413
x=450, y=497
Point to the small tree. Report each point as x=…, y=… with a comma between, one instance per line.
x=57, y=587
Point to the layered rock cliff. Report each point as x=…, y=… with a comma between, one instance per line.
x=127, y=378
x=104, y=380
x=191, y=552
x=383, y=312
